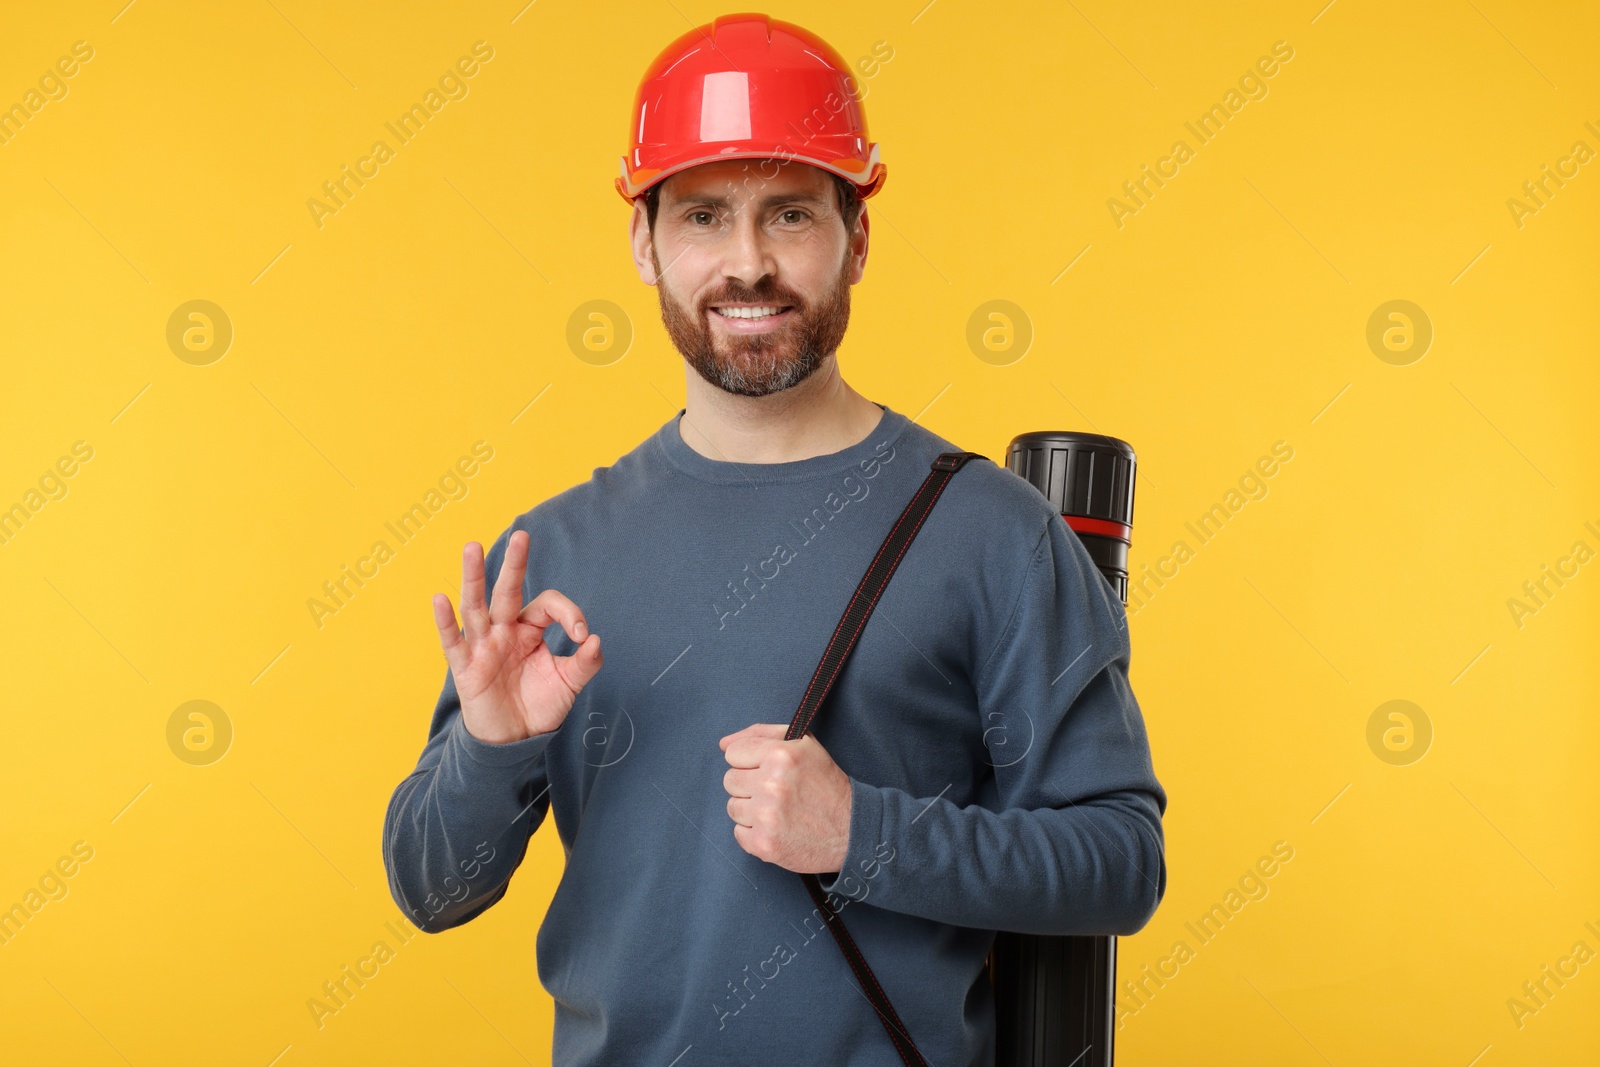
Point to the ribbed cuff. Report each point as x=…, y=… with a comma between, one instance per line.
x=493, y=755
x=866, y=833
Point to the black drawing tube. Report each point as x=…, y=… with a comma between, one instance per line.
x=1055, y=996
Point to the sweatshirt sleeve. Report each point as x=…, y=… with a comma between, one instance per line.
x=1076, y=845
x=459, y=824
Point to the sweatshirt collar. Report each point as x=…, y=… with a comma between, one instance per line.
x=685, y=459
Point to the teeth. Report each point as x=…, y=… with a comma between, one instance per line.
x=747, y=313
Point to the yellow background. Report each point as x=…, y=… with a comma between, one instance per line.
x=1229, y=313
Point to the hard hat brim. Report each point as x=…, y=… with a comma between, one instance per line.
x=868, y=177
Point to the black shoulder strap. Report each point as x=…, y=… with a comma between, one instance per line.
x=838, y=651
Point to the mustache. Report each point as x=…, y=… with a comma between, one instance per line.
x=764, y=294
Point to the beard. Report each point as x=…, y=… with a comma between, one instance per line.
x=762, y=363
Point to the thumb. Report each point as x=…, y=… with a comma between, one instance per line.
x=577, y=669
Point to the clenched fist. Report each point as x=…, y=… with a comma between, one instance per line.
x=789, y=802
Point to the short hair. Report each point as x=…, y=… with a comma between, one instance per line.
x=848, y=195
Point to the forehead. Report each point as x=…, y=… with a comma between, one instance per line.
x=735, y=180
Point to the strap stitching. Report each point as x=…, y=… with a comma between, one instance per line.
x=833, y=657
x=838, y=650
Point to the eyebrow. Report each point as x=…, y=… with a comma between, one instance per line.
x=708, y=200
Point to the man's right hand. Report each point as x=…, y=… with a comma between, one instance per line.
x=509, y=684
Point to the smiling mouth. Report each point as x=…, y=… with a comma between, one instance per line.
x=763, y=311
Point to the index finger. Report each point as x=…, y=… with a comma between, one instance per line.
x=747, y=748
x=552, y=605
x=758, y=729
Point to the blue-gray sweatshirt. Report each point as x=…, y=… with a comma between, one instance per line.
x=1000, y=774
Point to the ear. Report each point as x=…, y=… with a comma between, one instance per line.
x=639, y=239
x=858, y=247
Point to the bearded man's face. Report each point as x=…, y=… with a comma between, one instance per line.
x=755, y=290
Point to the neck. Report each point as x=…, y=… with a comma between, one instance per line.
x=821, y=415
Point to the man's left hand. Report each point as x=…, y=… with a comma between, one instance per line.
x=789, y=802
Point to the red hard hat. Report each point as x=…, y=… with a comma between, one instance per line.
x=748, y=87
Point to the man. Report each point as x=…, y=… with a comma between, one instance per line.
x=982, y=763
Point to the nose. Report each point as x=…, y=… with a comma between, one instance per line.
x=749, y=256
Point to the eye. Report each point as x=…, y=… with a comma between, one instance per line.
x=695, y=215
x=799, y=215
